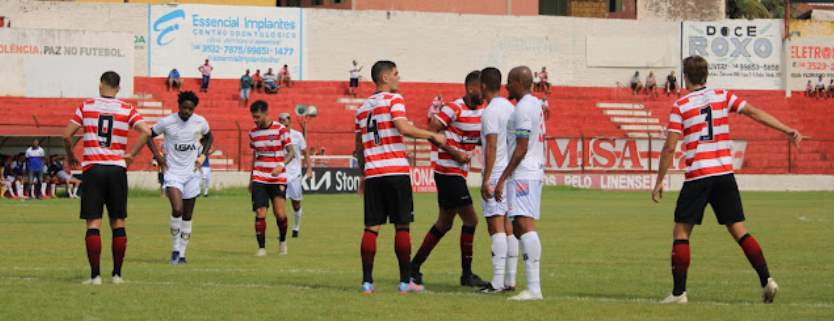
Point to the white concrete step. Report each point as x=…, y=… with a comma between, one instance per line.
x=620, y=106
x=635, y=120
x=153, y=111
x=617, y=112
x=150, y=103
x=221, y=161
x=638, y=135
x=641, y=127
x=347, y=100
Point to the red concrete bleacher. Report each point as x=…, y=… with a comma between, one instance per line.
x=574, y=113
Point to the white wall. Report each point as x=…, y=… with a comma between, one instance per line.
x=444, y=47
x=128, y=18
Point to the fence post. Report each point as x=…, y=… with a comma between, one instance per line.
x=651, y=154
x=584, y=152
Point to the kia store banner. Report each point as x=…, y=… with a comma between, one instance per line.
x=742, y=54
x=233, y=38
x=809, y=58
x=332, y=180
x=63, y=63
x=617, y=154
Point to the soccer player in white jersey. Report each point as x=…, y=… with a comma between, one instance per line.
x=494, y=122
x=187, y=142
x=294, y=169
x=460, y=122
x=105, y=122
x=701, y=120
x=523, y=175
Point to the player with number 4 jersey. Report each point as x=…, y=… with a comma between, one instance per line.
x=701, y=121
x=381, y=127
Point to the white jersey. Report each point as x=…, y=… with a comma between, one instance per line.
x=299, y=145
x=182, y=141
x=528, y=120
x=494, y=120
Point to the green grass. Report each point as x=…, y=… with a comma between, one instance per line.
x=606, y=257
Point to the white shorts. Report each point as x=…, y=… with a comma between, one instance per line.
x=294, y=190
x=9, y=179
x=491, y=207
x=189, y=185
x=524, y=197
x=64, y=177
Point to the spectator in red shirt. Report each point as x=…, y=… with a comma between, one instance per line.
x=257, y=81
x=284, y=76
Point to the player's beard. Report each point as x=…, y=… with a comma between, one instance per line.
x=475, y=101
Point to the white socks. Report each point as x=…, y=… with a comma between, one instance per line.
x=296, y=224
x=532, y=255
x=185, y=235
x=512, y=260
x=75, y=190
x=499, y=259
x=176, y=227
x=52, y=190
x=43, y=189
x=10, y=189
x=19, y=186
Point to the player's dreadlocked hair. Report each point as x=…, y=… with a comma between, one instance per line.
x=188, y=96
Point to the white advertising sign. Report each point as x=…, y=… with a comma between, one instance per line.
x=742, y=54
x=232, y=38
x=63, y=63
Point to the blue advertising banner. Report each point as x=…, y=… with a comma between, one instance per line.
x=233, y=39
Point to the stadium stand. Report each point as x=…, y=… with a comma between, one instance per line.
x=575, y=112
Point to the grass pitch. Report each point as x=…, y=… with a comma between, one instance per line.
x=605, y=257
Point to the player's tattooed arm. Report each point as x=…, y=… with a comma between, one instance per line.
x=437, y=126
x=69, y=132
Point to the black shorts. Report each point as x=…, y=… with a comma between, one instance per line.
x=262, y=194
x=388, y=199
x=354, y=82
x=104, y=185
x=452, y=191
x=721, y=192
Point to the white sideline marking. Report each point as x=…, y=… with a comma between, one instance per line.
x=432, y=293
x=620, y=105
x=146, y=111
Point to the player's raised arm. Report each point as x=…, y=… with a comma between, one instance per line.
x=764, y=118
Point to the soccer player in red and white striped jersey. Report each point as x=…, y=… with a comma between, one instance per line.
x=105, y=122
x=701, y=120
x=272, y=151
x=460, y=121
x=381, y=127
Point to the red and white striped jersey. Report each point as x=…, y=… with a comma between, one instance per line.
x=702, y=117
x=106, y=123
x=383, y=145
x=463, y=132
x=270, y=146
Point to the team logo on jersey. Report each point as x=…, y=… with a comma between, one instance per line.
x=184, y=147
x=522, y=189
x=167, y=25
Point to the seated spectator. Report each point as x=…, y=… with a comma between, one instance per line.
x=257, y=81
x=174, y=80
x=820, y=88
x=284, y=76
x=544, y=83
x=672, y=84
x=636, y=84
x=651, y=85
x=245, y=88
x=809, y=89
x=61, y=176
x=270, y=82
x=831, y=88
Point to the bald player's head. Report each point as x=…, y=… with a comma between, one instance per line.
x=519, y=82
